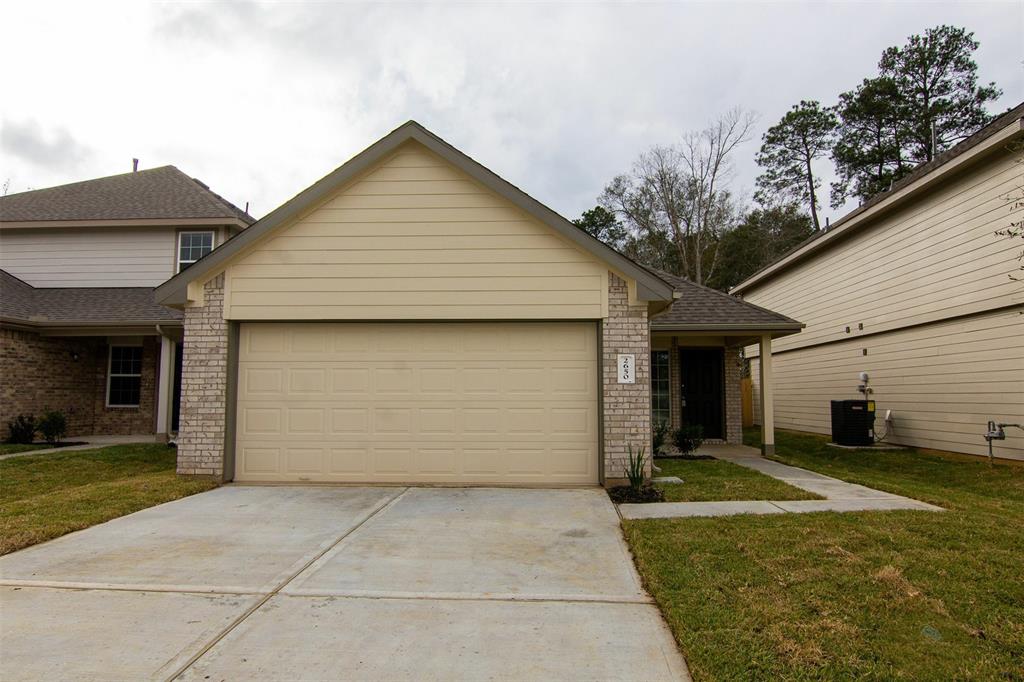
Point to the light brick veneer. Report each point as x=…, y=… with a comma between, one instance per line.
x=626, y=407
x=204, y=381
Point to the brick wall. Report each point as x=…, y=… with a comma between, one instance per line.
x=627, y=407
x=204, y=379
x=38, y=373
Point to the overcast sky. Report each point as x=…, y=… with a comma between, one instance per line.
x=260, y=100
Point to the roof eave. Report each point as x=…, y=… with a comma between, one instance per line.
x=129, y=222
x=773, y=328
x=174, y=291
x=123, y=327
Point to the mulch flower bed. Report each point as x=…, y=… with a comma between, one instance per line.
x=625, y=493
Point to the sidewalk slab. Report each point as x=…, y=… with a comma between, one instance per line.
x=848, y=505
x=839, y=495
x=672, y=510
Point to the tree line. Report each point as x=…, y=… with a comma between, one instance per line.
x=676, y=210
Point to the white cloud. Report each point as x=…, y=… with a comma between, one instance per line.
x=260, y=100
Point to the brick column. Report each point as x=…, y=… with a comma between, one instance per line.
x=626, y=407
x=733, y=399
x=204, y=380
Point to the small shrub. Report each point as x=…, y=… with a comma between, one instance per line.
x=688, y=438
x=21, y=429
x=53, y=425
x=660, y=435
x=635, y=468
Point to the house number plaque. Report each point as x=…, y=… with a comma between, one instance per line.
x=627, y=368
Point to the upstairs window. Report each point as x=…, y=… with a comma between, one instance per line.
x=124, y=378
x=192, y=246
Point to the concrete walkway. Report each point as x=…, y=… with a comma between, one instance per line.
x=840, y=496
x=88, y=443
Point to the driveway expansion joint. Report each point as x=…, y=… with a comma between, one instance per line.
x=266, y=597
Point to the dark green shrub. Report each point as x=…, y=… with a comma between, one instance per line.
x=688, y=438
x=635, y=468
x=53, y=426
x=21, y=429
x=659, y=437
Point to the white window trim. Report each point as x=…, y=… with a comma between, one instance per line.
x=110, y=365
x=177, y=247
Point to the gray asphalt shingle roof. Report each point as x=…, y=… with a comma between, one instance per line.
x=700, y=306
x=157, y=193
x=22, y=302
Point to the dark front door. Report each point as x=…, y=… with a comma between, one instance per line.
x=702, y=373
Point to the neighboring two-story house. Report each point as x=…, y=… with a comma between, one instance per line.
x=79, y=329
x=915, y=289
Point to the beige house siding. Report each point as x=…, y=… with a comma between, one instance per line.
x=415, y=239
x=943, y=382
x=933, y=259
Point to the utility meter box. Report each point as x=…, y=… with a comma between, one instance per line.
x=853, y=422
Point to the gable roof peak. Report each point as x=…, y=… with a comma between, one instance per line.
x=649, y=285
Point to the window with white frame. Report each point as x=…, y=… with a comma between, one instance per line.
x=192, y=246
x=124, y=376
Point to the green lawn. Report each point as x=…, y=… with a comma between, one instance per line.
x=713, y=479
x=13, y=448
x=870, y=595
x=47, y=496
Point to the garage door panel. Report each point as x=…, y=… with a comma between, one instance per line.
x=418, y=402
x=472, y=463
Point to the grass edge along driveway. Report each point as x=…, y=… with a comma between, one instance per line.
x=45, y=496
x=890, y=595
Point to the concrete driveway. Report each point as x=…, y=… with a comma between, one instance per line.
x=248, y=582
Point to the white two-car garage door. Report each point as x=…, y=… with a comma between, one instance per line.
x=474, y=403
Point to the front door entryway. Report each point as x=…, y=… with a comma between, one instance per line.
x=702, y=389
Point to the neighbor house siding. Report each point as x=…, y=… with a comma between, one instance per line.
x=935, y=258
x=943, y=382
x=415, y=239
x=89, y=257
x=920, y=299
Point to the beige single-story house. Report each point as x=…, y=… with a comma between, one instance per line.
x=914, y=288
x=414, y=318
